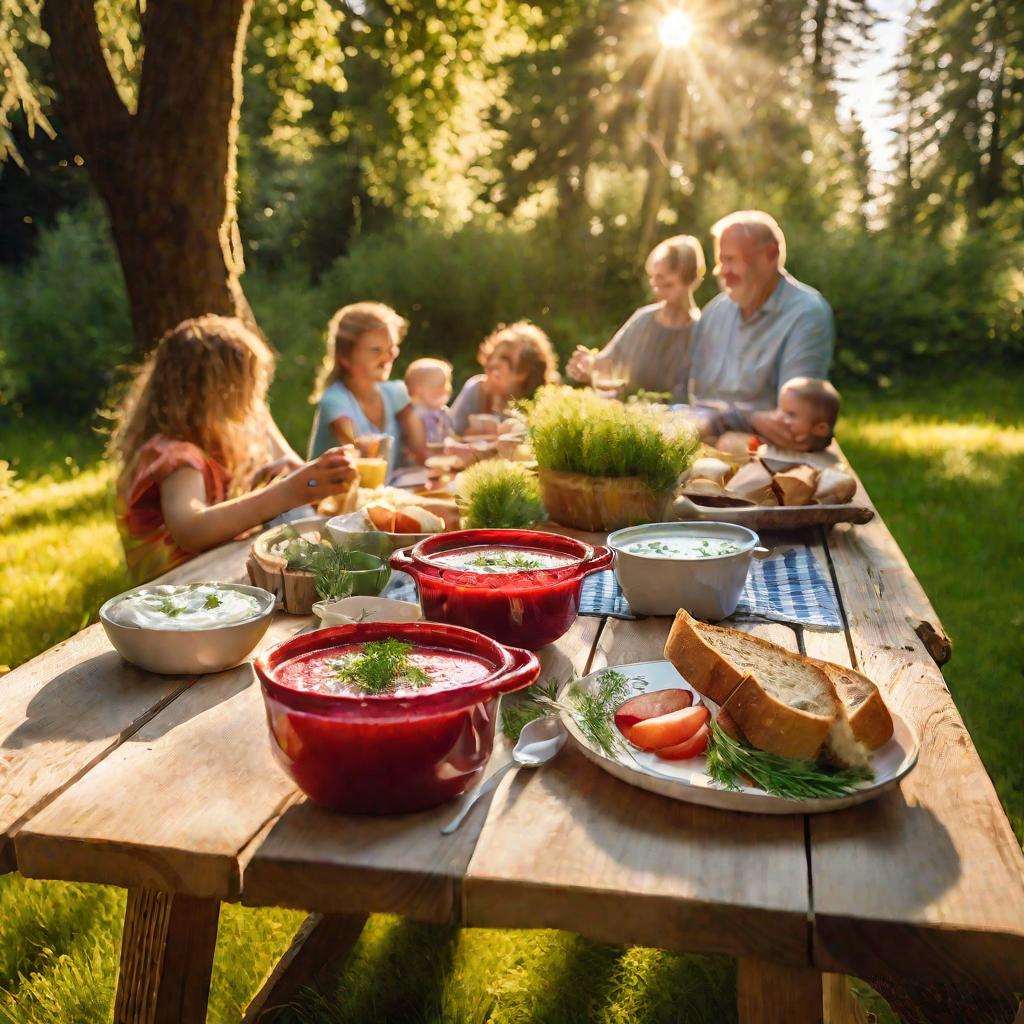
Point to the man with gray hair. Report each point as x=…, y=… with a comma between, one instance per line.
x=763, y=329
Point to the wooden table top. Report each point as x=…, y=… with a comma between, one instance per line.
x=109, y=774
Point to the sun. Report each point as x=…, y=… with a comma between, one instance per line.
x=675, y=29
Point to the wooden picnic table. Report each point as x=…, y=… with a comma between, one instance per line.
x=167, y=787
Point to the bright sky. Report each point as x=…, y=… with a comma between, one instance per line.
x=869, y=92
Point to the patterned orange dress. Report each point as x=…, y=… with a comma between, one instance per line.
x=149, y=548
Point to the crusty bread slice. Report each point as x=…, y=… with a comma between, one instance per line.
x=865, y=708
x=781, y=702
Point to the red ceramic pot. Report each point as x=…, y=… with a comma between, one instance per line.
x=386, y=754
x=528, y=608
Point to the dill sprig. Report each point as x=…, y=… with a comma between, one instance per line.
x=517, y=560
x=730, y=761
x=538, y=701
x=379, y=667
x=594, y=711
x=499, y=495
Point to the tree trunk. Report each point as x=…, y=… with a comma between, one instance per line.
x=167, y=171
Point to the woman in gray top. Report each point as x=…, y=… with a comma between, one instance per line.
x=653, y=346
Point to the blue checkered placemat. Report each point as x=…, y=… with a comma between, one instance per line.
x=788, y=587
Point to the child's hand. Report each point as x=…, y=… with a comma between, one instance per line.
x=332, y=473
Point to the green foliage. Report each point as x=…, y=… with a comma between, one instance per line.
x=499, y=495
x=902, y=304
x=455, y=288
x=961, y=133
x=574, y=431
x=64, y=323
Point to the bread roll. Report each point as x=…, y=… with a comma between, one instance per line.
x=754, y=483
x=835, y=487
x=709, y=468
x=796, y=486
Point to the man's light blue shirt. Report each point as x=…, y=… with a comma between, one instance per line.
x=740, y=365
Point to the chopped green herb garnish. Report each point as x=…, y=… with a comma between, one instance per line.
x=168, y=607
x=381, y=666
x=514, y=561
x=212, y=601
x=539, y=701
x=594, y=711
x=729, y=762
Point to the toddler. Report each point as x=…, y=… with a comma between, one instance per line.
x=809, y=408
x=429, y=383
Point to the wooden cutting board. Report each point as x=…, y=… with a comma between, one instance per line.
x=773, y=517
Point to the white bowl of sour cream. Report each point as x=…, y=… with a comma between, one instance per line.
x=187, y=629
x=701, y=567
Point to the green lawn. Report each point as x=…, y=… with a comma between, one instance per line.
x=944, y=463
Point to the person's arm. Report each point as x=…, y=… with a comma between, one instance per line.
x=196, y=526
x=466, y=404
x=344, y=430
x=808, y=350
x=413, y=433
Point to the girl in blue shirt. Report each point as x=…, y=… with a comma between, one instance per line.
x=353, y=393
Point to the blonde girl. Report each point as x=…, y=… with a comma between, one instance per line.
x=654, y=346
x=517, y=360
x=353, y=393
x=193, y=436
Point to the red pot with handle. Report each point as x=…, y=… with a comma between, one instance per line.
x=391, y=752
x=529, y=601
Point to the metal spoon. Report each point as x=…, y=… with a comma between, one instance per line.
x=538, y=743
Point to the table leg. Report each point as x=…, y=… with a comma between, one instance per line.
x=767, y=993
x=319, y=950
x=166, y=958
x=840, y=1004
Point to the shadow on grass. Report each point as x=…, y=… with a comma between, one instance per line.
x=401, y=978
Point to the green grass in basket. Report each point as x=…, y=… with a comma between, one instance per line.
x=575, y=431
x=499, y=495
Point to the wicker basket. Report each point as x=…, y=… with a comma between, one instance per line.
x=601, y=503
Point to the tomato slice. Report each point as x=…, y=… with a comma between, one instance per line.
x=668, y=730
x=695, y=745
x=650, y=705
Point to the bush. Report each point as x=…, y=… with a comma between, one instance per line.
x=910, y=304
x=456, y=288
x=64, y=320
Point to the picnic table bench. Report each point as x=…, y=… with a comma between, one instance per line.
x=168, y=787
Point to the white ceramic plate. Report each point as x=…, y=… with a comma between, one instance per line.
x=688, y=781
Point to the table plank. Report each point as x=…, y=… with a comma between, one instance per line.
x=319, y=860
x=61, y=714
x=170, y=809
x=572, y=847
x=927, y=882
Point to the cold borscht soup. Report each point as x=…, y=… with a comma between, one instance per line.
x=493, y=560
x=388, y=667
x=383, y=717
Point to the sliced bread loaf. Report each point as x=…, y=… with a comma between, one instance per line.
x=869, y=717
x=781, y=701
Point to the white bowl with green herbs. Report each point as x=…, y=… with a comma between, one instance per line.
x=701, y=567
x=187, y=629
